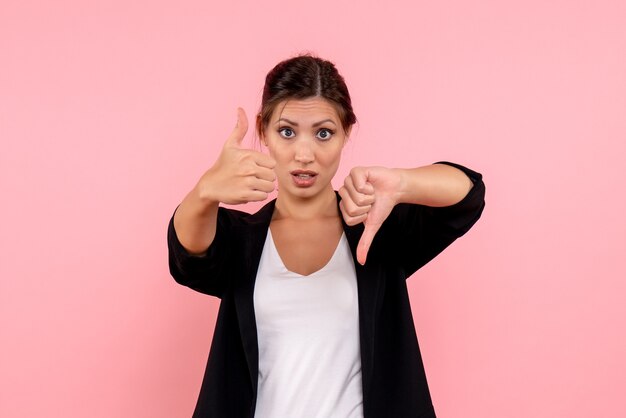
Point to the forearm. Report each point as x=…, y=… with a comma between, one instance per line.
x=195, y=222
x=436, y=185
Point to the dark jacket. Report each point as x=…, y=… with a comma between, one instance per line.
x=394, y=381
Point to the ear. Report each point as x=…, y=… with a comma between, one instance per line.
x=347, y=136
x=260, y=130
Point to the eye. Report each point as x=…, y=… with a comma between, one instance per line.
x=286, y=132
x=325, y=134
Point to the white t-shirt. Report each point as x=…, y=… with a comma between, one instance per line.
x=308, y=332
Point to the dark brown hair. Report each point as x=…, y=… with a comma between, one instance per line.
x=303, y=77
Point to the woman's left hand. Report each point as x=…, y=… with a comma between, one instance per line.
x=368, y=195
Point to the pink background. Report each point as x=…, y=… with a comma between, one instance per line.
x=110, y=111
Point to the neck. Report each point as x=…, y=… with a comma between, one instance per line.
x=304, y=209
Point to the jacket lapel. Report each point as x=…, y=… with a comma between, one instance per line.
x=254, y=235
x=370, y=291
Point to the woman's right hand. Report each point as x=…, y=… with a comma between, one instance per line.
x=239, y=175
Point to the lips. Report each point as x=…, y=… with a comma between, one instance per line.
x=303, y=178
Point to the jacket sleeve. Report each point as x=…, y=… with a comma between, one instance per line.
x=207, y=273
x=419, y=233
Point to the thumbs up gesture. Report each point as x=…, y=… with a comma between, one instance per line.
x=239, y=175
x=368, y=195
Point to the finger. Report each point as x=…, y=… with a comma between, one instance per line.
x=349, y=208
x=353, y=220
x=360, y=180
x=264, y=160
x=349, y=218
x=265, y=174
x=359, y=198
x=237, y=135
x=255, y=196
x=365, y=242
x=261, y=185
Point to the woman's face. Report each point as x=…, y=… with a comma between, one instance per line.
x=305, y=137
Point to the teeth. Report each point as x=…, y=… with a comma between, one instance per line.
x=304, y=176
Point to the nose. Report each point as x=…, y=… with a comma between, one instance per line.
x=304, y=152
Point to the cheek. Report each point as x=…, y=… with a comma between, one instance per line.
x=281, y=156
x=274, y=151
x=282, y=160
x=333, y=156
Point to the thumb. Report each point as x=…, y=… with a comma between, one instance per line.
x=366, y=241
x=237, y=135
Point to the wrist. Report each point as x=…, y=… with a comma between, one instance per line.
x=403, y=185
x=204, y=201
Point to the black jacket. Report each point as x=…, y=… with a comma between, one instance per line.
x=394, y=381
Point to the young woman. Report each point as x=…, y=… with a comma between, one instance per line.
x=314, y=319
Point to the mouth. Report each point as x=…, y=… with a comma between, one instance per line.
x=303, y=174
x=303, y=178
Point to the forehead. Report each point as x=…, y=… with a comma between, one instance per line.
x=306, y=110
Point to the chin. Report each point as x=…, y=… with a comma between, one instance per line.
x=303, y=192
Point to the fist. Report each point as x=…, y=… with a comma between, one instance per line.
x=368, y=195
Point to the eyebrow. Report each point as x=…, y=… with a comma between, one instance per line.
x=316, y=124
